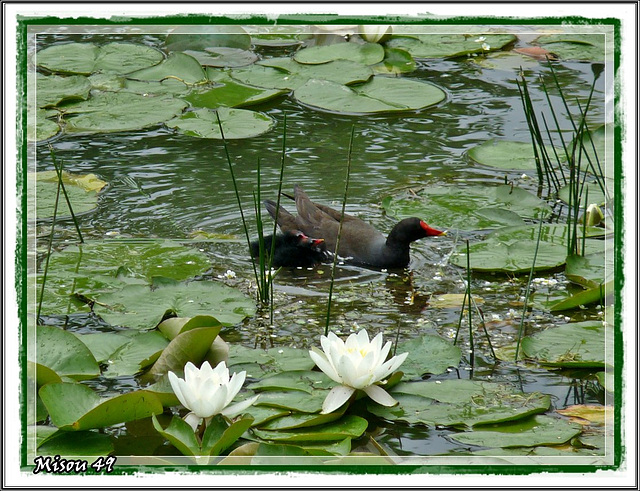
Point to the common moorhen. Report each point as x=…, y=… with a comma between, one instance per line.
x=360, y=243
x=292, y=249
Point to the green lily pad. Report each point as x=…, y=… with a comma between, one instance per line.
x=554, y=233
x=349, y=426
x=378, y=95
x=590, y=270
x=64, y=353
x=366, y=54
x=468, y=207
x=293, y=400
x=53, y=90
x=223, y=57
x=100, y=266
x=107, y=112
x=428, y=354
x=298, y=420
x=302, y=380
x=577, y=344
x=503, y=154
x=448, y=45
x=75, y=407
x=561, y=300
x=592, y=193
x=141, y=307
x=258, y=362
x=189, y=346
x=141, y=350
x=460, y=403
x=236, y=123
x=103, y=344
x=511, y=257
x=82, y=191
x=606, y=380
x=87, y=58
x=262, y=414
x=179, y=66
x=287, y=74
x=586, y=47
x=39, y=127
x=539, y=430
x=77, y=444
x=396, y=61
x=595, y=143
x=174, y=326
x=230, y=93
x=199, y=37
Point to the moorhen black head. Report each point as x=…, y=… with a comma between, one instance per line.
x=360, y=243
x=292, y=249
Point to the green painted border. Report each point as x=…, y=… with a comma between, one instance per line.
x=21, y=246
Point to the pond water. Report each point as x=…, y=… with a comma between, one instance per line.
x=185, y=187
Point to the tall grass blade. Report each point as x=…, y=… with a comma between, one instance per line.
x=472, y=355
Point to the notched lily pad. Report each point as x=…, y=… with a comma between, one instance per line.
x=366, y=54
x=378, y=95
x=199, y=37
x=53, y=90
x=448, y=45
x=236, y=123
x=82, y=191
x=428, y=354
x=143, y=307
x=503, y=154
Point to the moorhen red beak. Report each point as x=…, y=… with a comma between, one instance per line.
x=292, y=249
x=360, y=243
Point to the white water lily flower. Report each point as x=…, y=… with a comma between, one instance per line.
x=355, y=364
x=208, y=391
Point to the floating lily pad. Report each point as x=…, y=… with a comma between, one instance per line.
x=539, y=430
x=302, y=380
x=103, y=344
x=504, y=154
x=178, y=66
x=39, y=127
x=100, y=266
x=287, y=74
x=395, y=62
x=143, y=307
x=448, y=45
x=594, y=194
x=107, y=112
x=469, y=207
x=554, y=233
x=168, y=86
x=77, y=444
x=578, y=344
x=428, y=354
x=293, y=400
x=564, y=300
x=141, y=350
x=591, y=270
x=53, y=90
x=366, y=54
x=378, y=95
x=512, y=257
x=469, y=404
x=82, y=191
x=230, y=93
x=63, y=353
x=75, y=407
x=349, y=426
x=258, y=362
x=88, y=58
x=297, y=420
x=586, y=47
x=236, y=123
x=223, y=57
x=199, y=37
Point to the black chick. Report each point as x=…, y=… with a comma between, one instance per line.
x=292, y=249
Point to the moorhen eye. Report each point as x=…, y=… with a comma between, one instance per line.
x=360, y=243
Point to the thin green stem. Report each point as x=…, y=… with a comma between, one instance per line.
x=64, y=191
x=335, y=255
x=472, y=355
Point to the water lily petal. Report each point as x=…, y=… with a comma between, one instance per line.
x=193, y=420
x=237, y=408
x=176, y=385
x=380, y=395
x=222, y=372
x=390, y=366
x=235, y=384
x=336, y=398
x=323, y=363
x=384, y=351
x=346, y=370
x=376, y=343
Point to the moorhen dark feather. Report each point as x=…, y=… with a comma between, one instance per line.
x=292, y=249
